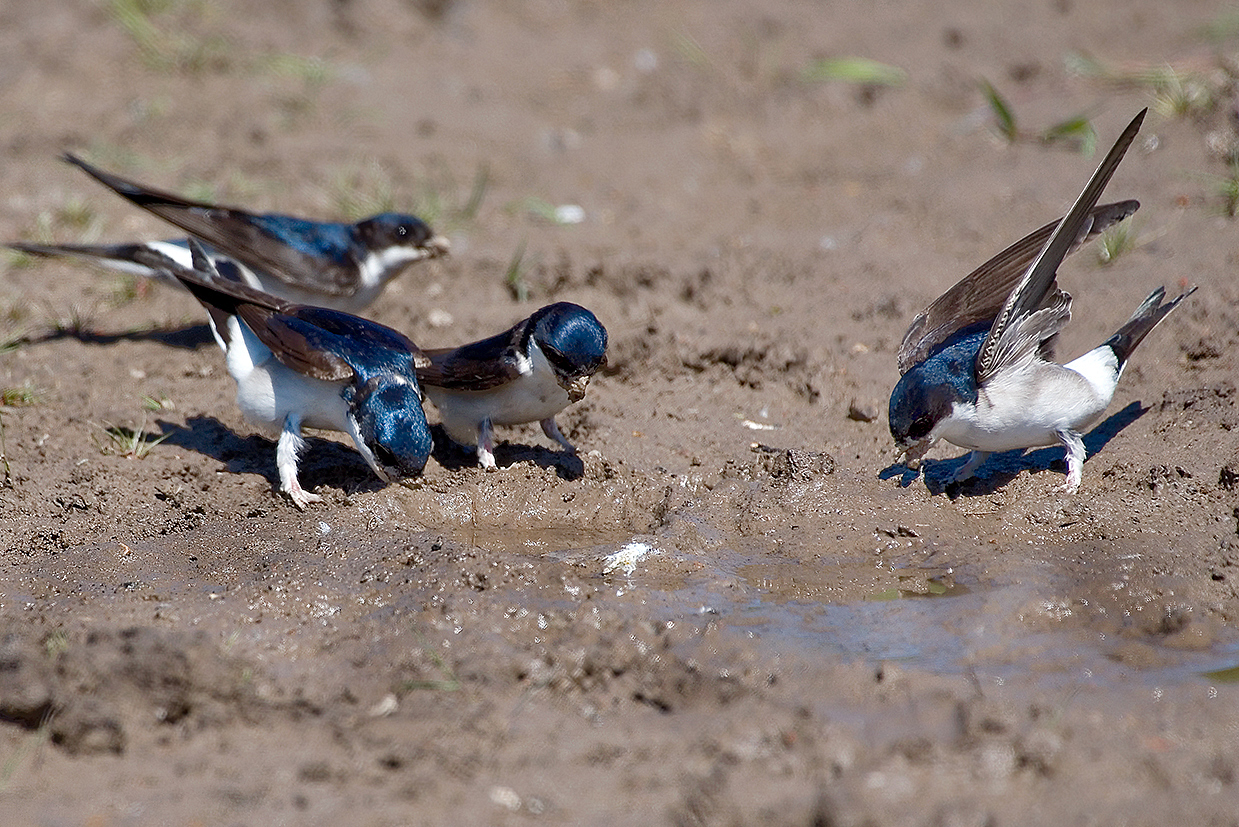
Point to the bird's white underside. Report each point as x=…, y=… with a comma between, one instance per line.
x=534, y=396
x=279, y=400
x=377, y=268
x=1032, y=403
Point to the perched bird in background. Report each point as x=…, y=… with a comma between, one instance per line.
x=325, y=264
x=296, y=366
x=526, y=374
x=974, y=364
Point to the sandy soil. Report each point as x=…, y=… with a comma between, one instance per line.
x=812, y=635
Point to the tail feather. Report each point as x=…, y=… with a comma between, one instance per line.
x=1147, y=316
x=46, y=249
x=117, y=257
x=99, y=251
x=201, y=280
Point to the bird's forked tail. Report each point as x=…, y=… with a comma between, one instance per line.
x=1147, y=316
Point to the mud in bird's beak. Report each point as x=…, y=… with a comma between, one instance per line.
x=437, y=246
x=575, y=387
x=912, y=454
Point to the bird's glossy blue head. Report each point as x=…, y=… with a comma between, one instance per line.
x=925, y=395
x=390, y=420
x=571, y=338
x=390, y=229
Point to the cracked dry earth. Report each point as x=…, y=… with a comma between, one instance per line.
x=733, y=606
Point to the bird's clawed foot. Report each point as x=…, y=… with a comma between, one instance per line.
x=287, y=450
x=552, y=432
x=486, y=446
x=300, y=497
x=969, y=469
x=1074, y=460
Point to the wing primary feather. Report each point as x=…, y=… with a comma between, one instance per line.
x=477, y=366
x=1030, y=294
x=978, y=296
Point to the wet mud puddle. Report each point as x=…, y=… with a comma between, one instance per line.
x=1025, y=629
x=1031, y=625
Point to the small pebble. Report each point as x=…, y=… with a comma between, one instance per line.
x=862, y=411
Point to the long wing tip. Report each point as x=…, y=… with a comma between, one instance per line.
x=1039, y=280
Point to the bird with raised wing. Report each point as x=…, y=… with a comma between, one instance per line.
x=975, y=364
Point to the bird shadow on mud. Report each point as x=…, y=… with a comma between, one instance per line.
x=1000, y=469
x=323, y=462
x=455, y=457
x=185, y=338
x=326, y=462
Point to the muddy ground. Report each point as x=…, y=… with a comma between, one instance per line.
x=672, y=627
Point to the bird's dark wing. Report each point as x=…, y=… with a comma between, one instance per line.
x=318, y=342
x=297, y=345
x=296, y=342
x=1031, y=293
x=977, y=297
x=478, y=366
x=284, y=247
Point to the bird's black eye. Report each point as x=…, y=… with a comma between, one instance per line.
x=402, y=230
x=385, y=457
x=561, y=363
x=920, y=427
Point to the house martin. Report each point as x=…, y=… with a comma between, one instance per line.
x=526, y=374
x=976, y=367
x=324, y=264
x=297, y=365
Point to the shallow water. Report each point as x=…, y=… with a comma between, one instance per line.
x=935, y=619
x=956, y=634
